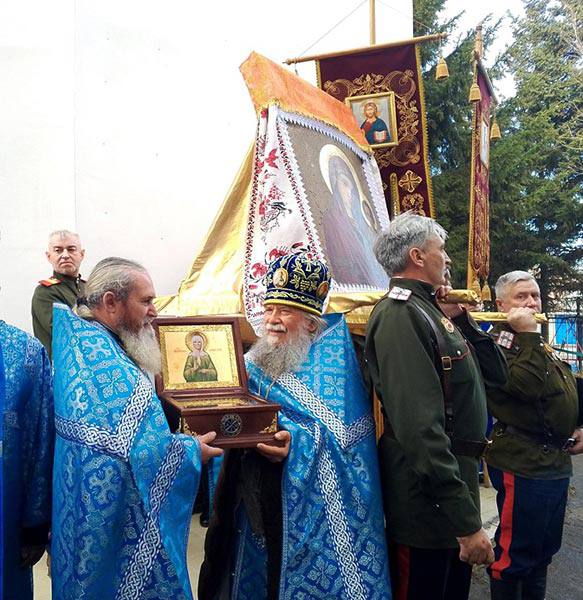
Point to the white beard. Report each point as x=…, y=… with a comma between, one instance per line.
x=142, y=348
x=285, y=357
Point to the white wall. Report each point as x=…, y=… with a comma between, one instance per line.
x=126, y=121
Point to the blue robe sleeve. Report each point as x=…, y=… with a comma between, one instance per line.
x=38, y=445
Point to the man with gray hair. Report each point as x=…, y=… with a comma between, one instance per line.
x=532, y=442
x=123, y=486
x=428, y=362
x=65, y=254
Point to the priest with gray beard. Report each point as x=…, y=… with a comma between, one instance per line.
x=124, y=485
x=302, y=520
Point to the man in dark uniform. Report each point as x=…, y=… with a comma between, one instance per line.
x=65, y=255
x=428, y=362
x=533, y=438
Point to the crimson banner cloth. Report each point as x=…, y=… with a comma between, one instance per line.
x=479, y=228
x=384, y=88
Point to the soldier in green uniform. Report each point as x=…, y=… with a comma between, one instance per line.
x=535, y=434
x=428, y=363
x=65, y=255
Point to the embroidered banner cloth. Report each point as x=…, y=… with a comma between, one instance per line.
x=384, y=89
x=479, y=204
x=313, y=190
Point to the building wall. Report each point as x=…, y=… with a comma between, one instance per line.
x=126, y=121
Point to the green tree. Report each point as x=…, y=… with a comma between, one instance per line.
x=536, y=168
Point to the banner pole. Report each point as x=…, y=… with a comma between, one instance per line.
x=417, y=40
x=372, y=23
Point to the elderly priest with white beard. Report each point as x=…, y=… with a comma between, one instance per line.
x=123, y=486
x=303, y=520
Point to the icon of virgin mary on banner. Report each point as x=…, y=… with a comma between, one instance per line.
x=315, y=189
x=348, y=225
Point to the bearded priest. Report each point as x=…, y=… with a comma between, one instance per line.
x=303, y=520
x=123, y=486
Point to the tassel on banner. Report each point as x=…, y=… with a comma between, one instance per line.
x=476, y=287
x=495, y=130
x=441, y=70
x=486, y=292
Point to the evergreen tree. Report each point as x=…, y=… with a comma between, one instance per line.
x=536, y=168
x=536, y=188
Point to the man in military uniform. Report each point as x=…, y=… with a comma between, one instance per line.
x=428, y=362
x=65, y=255
x=533, y=438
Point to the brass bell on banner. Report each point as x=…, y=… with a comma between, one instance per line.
x=495, y=130
x=475, y=94
x=441, y=70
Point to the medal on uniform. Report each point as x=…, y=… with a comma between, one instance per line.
x=449, y=326
x=505, y=339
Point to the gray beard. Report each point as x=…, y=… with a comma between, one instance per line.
x=276, y=359
x=142, y=348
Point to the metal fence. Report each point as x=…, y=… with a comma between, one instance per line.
x=565, y=334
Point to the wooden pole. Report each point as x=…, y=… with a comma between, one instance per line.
x=372, y=23
x=423, y=38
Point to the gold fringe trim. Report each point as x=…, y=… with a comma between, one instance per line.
x=432, y=212
x=394, y=189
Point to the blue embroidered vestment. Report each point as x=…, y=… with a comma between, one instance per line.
x=26, y=411
x=124, y=486
x=333, y=528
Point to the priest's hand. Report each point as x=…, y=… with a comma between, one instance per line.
x=206, y=450
x=30, y=555
x=276, y=454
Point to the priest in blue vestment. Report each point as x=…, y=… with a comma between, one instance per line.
x=124, y=486
x=27, y=438
x=304, y=521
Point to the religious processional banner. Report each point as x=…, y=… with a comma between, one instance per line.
x=315, y=188
x=479, y=225
x=384, y=90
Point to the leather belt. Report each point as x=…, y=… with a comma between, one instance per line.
x=540, y=439
x=459, y=447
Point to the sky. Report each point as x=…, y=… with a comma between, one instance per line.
x=473, y=13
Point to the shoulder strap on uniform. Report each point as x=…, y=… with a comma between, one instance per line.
x=443, y=364
x=49, y=282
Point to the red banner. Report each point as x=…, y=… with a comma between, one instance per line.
x=384, y=89
x=479, y=227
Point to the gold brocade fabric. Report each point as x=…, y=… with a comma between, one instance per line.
x=214, y=284
x=270, y=83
